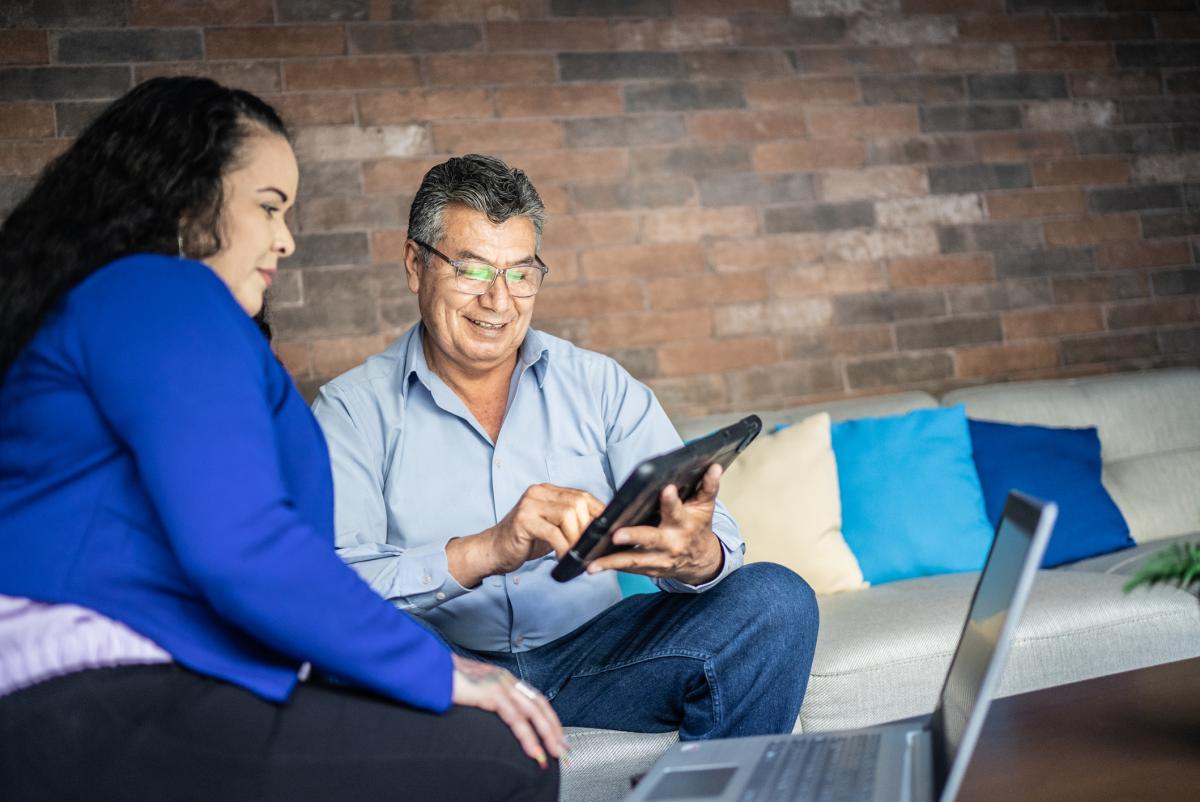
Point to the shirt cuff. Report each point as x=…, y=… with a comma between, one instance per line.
x=428, y=574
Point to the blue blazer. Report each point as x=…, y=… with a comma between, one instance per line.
x=157, y=465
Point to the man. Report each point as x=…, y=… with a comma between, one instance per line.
x=474, y=451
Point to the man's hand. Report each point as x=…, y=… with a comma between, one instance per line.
x=683, y=545
x=546, y=518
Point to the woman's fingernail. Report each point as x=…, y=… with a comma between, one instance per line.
x=540, y=757
x=563, y=761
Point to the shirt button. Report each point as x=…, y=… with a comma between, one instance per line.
x=440, y=596
x=520, y=641
x=498, y=462
x=516, y=580
x=425, y=580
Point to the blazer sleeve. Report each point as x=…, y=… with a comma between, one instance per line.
x=175, y=367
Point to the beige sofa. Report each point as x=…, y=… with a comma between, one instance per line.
x=882, y=653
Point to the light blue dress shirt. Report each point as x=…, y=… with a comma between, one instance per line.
x=412, y=468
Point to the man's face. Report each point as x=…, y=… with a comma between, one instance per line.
x=473, y=333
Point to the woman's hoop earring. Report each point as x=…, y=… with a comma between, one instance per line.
x=179, y=241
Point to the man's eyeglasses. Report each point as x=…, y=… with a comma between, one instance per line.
x=477, y=278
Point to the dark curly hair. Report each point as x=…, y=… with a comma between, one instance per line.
x=144, y=177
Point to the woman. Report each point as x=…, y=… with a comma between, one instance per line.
x=167, y=573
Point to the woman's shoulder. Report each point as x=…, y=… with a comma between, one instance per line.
x=148, y=276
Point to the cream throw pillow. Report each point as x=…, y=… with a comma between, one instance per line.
x=783, y=492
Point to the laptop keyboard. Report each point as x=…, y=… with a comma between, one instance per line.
x=817, y=769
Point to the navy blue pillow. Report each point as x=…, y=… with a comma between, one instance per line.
x=1061, y=465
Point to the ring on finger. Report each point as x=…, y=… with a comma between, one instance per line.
x=526, y=691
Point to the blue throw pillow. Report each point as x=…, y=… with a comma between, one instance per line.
x=633, y=584
x=911, y=500
x=1061, y=465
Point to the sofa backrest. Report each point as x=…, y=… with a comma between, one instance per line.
x=1149, y=425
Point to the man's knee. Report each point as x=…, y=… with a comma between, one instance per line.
x=777, y=598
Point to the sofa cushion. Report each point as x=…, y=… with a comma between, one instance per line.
x=911, y=501
x=783, y=492
x=883, y=654
x=602, y=762
x=1128, y=562
x=1060, y=465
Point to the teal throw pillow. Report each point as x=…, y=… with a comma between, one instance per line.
x=912, y=504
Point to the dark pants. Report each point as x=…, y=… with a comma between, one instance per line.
x=728, y=662
x=163, y=732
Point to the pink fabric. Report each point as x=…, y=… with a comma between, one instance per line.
x=39, y=641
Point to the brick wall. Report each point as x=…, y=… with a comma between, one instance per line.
x=751, y=203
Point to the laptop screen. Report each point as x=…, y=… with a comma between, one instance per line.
x=995, y=594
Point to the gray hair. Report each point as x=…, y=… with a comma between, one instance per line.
x=482, y=183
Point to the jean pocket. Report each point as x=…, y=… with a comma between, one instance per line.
x=588, y=472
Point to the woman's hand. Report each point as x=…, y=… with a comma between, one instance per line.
x=522, y=708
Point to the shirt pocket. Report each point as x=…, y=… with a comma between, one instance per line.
x=588, y=472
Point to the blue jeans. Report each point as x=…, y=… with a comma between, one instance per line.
x=731, y=661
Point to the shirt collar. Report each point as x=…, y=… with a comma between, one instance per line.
x=534, y=352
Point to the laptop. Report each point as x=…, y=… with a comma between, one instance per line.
x=918, y=761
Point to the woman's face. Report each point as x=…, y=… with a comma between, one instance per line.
x=254, y=236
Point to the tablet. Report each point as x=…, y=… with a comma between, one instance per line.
x=636, y=502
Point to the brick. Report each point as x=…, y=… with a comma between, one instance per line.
x=765, y=253
x=1106, y=29
x=337, y=302
x=603, y=8
x=721, y=127
x=1064, y=57
x=699, y=291
x=1184, y=281
x=790, y=94
x=323, y=250
x=828, y=122
x=589, y=230
x=918, y=334
x=1097, y=289
x=295, y=356
x=939, y=271
x=399, y=314
x=819, y=217
x=955, y=179
x=878, y=89
x=573, y=165
x=860, y=244
x=739, y=64
x=26, y=120
x=12, y=190
x=1069, y=115
x=1170, y=224
x=323, y=10
x=313, y=109
x=1168, y=167
x=1080, y=172
x=1017, y=86
x=1124, y=199
x=595, y=301
x=1182, y=83
x=899, y=370
x=388, y=246
x=814, y=154
x=1053, y=322
x=488, y=136
x=989, y=237
x=1107, y=347
x=827, y=278
x=1136, y=141
x=260, y=77
x=1116, y=84
x=739, y=320
x=413, y=37
x=708, y=8
x=1136, y=255
x=332, y=357
x=1160, y=110
x=168, y=13
x=872, y=183
x=682, y=359
x=1015, y=146
x=689, y=395
x=338, y=142
x=27, y=158
x=755, y=31
x=360, y=72
x=24, y=47
x=112, y=46
x=625, y=130
x=683, y=96
x=965, y=58
x=1026, y=264
x=643, y=261
x=642, y=363
x=554, y=101
x=556, y=35
x=785, y=380
x=1146, y=314
x=1006, y=29
x=921, y=150
x=965, y=299
x=1091, y=230
x=62, y=83
x=691, y=159
x=903, y=31
x=854, y=60
x=331, y=178
x=81, y=13
x=1178, y=26
x=858, y=340
x=986, y=361
x=487, y=70
x=1161, y=54
x=749, y=189
x=618, y=66
x=936, y=119
x=284, y=41
x=342, y=212
x=944, y=209
x=886, y=307
x=672, y=34
x=633, y=194
x=397, y=175
x=804, y=344
x=1034, y=203
x=690, y=225
x=1181, y=341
